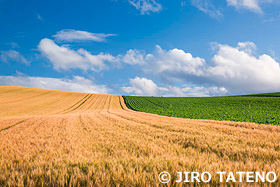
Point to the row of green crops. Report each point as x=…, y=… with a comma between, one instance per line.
x=260, y=108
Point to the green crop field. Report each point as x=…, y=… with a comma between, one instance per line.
x=258, y=108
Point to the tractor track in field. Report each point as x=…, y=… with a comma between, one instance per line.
x=18, y=123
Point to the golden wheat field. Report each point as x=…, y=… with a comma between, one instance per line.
x=57, y=138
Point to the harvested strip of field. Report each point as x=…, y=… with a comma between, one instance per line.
x=57, y=138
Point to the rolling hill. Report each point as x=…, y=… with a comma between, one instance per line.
x=57, y=138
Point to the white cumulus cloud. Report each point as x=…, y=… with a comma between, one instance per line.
x=235, y=69
x=174, y=61
x=70, y=35
x=142, y=86
x=77, y=83
x=133, y=57
x=247, y=47
x=172, y=64
x=64, y=58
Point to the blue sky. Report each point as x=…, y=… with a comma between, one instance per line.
x=142, y=47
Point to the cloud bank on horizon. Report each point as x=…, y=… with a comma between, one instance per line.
x=76, y=84
x=230, y=69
